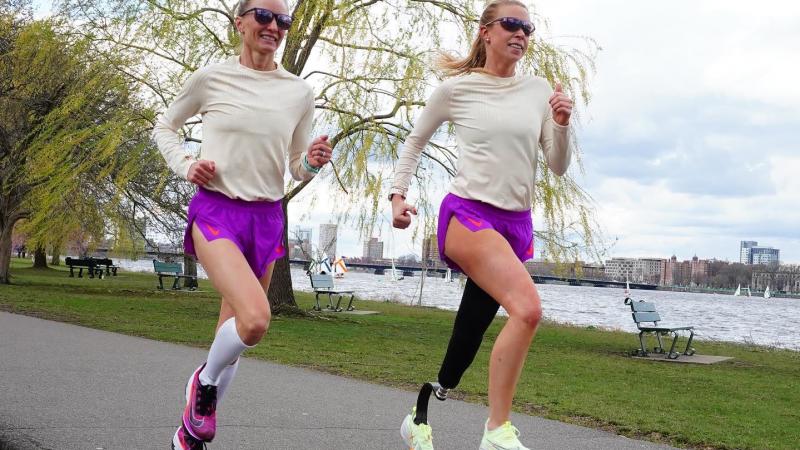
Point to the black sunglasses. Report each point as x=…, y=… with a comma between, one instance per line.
x=265, y=16
x=513, y=24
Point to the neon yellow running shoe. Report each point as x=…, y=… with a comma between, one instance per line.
x=416, y=437
x=504, y=437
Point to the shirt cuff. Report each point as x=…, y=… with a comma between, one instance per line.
x=398, y=191
x=186, y=164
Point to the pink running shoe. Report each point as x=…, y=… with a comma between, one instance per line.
x=200, y=415
x=184, y=441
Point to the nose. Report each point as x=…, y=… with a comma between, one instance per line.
x=273, y=26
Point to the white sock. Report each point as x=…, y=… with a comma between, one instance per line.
x=225, y=378
x=227, y=346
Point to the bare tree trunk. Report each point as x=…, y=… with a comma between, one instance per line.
x=40, y=257
x=281, y=294
x=55, y=259
x=189, y=268
x=5, y=252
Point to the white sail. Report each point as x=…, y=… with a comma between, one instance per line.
x=627, y=287
x=738, y=291
x=766, y=293
x=339, y=268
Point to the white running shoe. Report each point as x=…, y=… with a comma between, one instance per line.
x=504, y=437
x=416, y=437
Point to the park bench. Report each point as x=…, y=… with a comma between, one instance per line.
x=90, y=264
x=322, y=283
x=111, y=269
x=174, y=270
x=644, y=313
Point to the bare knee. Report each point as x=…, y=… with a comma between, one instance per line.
x=531, y=316
x=253, y=325
x=527, y=308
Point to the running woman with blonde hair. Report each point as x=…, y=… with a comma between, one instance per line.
x=254, y=113
x=485, y=228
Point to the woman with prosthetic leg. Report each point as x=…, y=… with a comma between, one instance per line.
x=500, y=119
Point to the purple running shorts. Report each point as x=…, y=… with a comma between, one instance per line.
x=515, y=226
x=256, y=227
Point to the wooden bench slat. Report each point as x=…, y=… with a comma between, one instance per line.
x=643, y=307
x=646, y=317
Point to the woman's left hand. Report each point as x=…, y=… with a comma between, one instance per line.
x=562, y=106
x=319, y=152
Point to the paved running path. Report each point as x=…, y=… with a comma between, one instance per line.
x=67, y=387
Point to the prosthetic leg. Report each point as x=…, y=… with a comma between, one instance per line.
x=475, y=314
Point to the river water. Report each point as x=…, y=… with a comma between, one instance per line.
x=773, y=322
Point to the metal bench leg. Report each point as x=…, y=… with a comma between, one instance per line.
x=330, y=301
x=338, y=302
x=71, y=272
x=689, y=351
x=660, y=348
x=350, y=306
x=80, y=272
x=643, y=349
x=317, y=307
x=672, y=354
x=175, y=284
x=160, y=282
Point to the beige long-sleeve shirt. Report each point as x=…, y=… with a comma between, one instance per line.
x=499, y=123
x=251, y=119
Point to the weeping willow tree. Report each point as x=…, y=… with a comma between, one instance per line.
x=370, y=64
x=69, y=126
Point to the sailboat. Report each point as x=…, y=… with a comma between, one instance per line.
x=339, y=268
x=448, y=276
x=738, y=291
x=627, y=288
x=766, y=292
x=392, y=274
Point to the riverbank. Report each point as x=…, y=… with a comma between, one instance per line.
x=574, y=374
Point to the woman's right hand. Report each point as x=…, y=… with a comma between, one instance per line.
x=401, y=212
x=201, y=172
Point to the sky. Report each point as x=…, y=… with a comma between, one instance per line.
x=691, y=138
x=690, y=141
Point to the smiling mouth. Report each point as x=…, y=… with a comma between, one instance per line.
x=268, y=38
x=515, y=45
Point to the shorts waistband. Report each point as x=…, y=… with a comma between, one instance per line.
x=222, y=199
x=491, y=209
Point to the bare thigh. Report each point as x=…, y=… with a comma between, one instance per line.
x=487, y=258
x=232, y=277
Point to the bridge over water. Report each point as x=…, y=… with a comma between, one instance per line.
x=380, y=268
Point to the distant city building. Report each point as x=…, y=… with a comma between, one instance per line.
x=327, y=240
x=430, y=249
x=685, y=273
x=638, y=270
x=781, y=279
x=373, y=249
x=751, y=253
x=745, y=248
x=765, y=255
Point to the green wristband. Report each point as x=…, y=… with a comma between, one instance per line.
x=309, y=167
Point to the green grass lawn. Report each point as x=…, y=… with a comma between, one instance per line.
x=573, y=374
